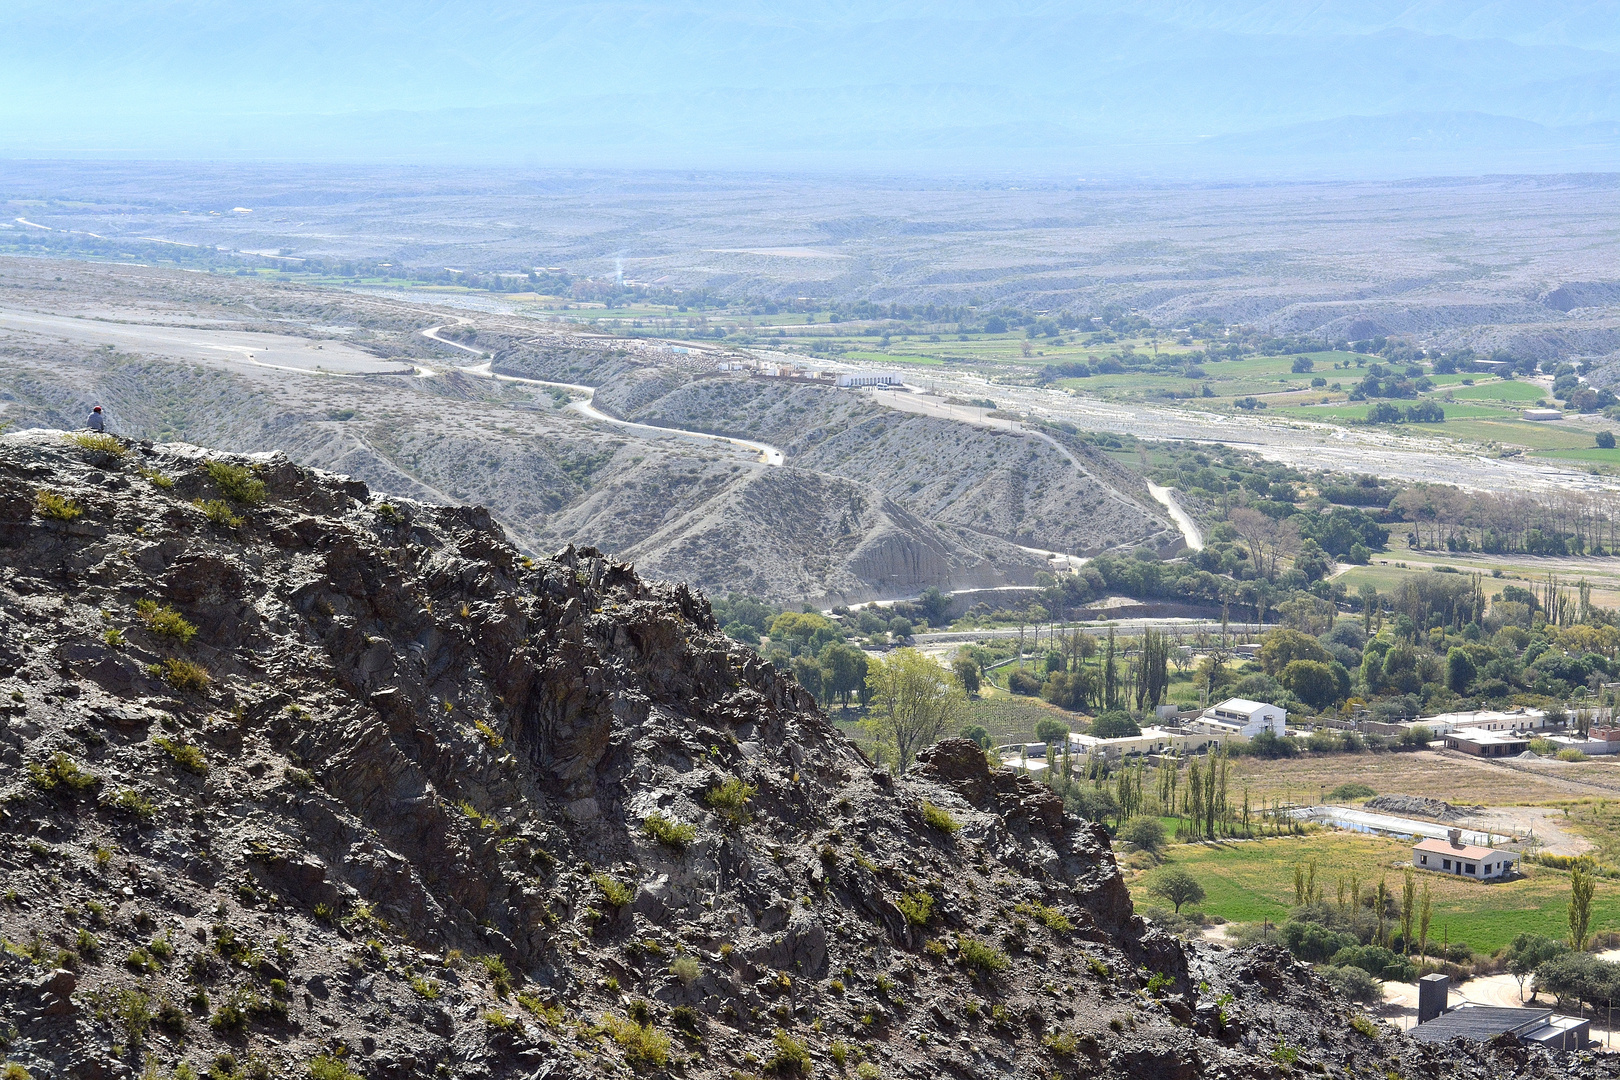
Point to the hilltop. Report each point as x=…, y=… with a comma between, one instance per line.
x=298, y=781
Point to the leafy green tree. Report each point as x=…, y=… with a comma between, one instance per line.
x=1283, y=646
x=1176, y=885
x=913, y=703
x=967, y=673
x=1460, y=671
x=1022, y=682
x=935, y=605
x=808, y=672
x=1052, y=732
x=843, y=670
x=978, y=734
x=1581, y=887
x=1145, y=833
x=1312, y=681
x=1528, y=951
x=1115, y=724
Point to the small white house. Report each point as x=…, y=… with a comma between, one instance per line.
x=1452, y=856
x=1239, y=716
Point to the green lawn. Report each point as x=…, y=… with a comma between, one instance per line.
x=1254, y=880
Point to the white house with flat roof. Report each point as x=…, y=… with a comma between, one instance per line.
x=1452, y=856
x=1242, y=717
x=1153, y=740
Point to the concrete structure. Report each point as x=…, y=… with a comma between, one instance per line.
x=1432, y=992
x=1241, y=717
x=1488, y=743
x=868, y=378
x=1452, y=856
x=1520, y=719
x=1482, y=1023
x=1153, y=740
x=1602, y=741
x=1485, y=1022
x=1541, y=414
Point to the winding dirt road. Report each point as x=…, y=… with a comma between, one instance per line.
x=768, y=454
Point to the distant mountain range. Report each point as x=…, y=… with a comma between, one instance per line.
x=1162, y=87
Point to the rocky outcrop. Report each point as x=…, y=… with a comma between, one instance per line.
x=295, y=781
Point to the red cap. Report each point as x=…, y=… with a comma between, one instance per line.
x=96, y=409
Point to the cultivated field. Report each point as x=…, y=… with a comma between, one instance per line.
x=1247, y=881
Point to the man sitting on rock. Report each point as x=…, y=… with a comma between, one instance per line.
x=97, y=422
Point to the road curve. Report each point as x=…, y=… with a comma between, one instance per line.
x=1183, y=520
x=768, y=454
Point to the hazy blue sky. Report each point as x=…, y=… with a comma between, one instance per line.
x=1105, y=87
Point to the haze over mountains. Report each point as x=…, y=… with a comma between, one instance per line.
x=1104, y=88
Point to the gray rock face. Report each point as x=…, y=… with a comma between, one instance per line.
x=290, y=774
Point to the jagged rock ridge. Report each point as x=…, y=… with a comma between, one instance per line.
x=296, y=781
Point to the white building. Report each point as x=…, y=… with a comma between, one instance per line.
x=1452, y=856
x=868, y=378
x=1244, y=718
x=1153, y=740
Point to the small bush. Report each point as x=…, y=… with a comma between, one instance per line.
x=62, y=773
x=219, y=512
x=868, y=1071
x=643, y=1044
x=1049, y=917
x=182, y=674
x=1351, y=790
x=980, y=956
x=389, y=514
x=157, y=479
x=185, y=755
x=614, y=892
x=550, y=1015
x=500, y=977
x=917, y=907
x=1570, y=754
x=99, y=443
x=686, y=969
x=130, y=801
x=792, y=1057
x=48, y=504
x=672, y=834
x=326, y=1067
x=730, y=800
x=236, y=482
x=165, y=620
x=424, y=988
x=939, y=819
x=1362, y=1024
x=489, y=735
x=500, y=1021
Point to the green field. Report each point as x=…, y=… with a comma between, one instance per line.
x=1518, y=392
x=1246, y=881
x=1588, y=453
